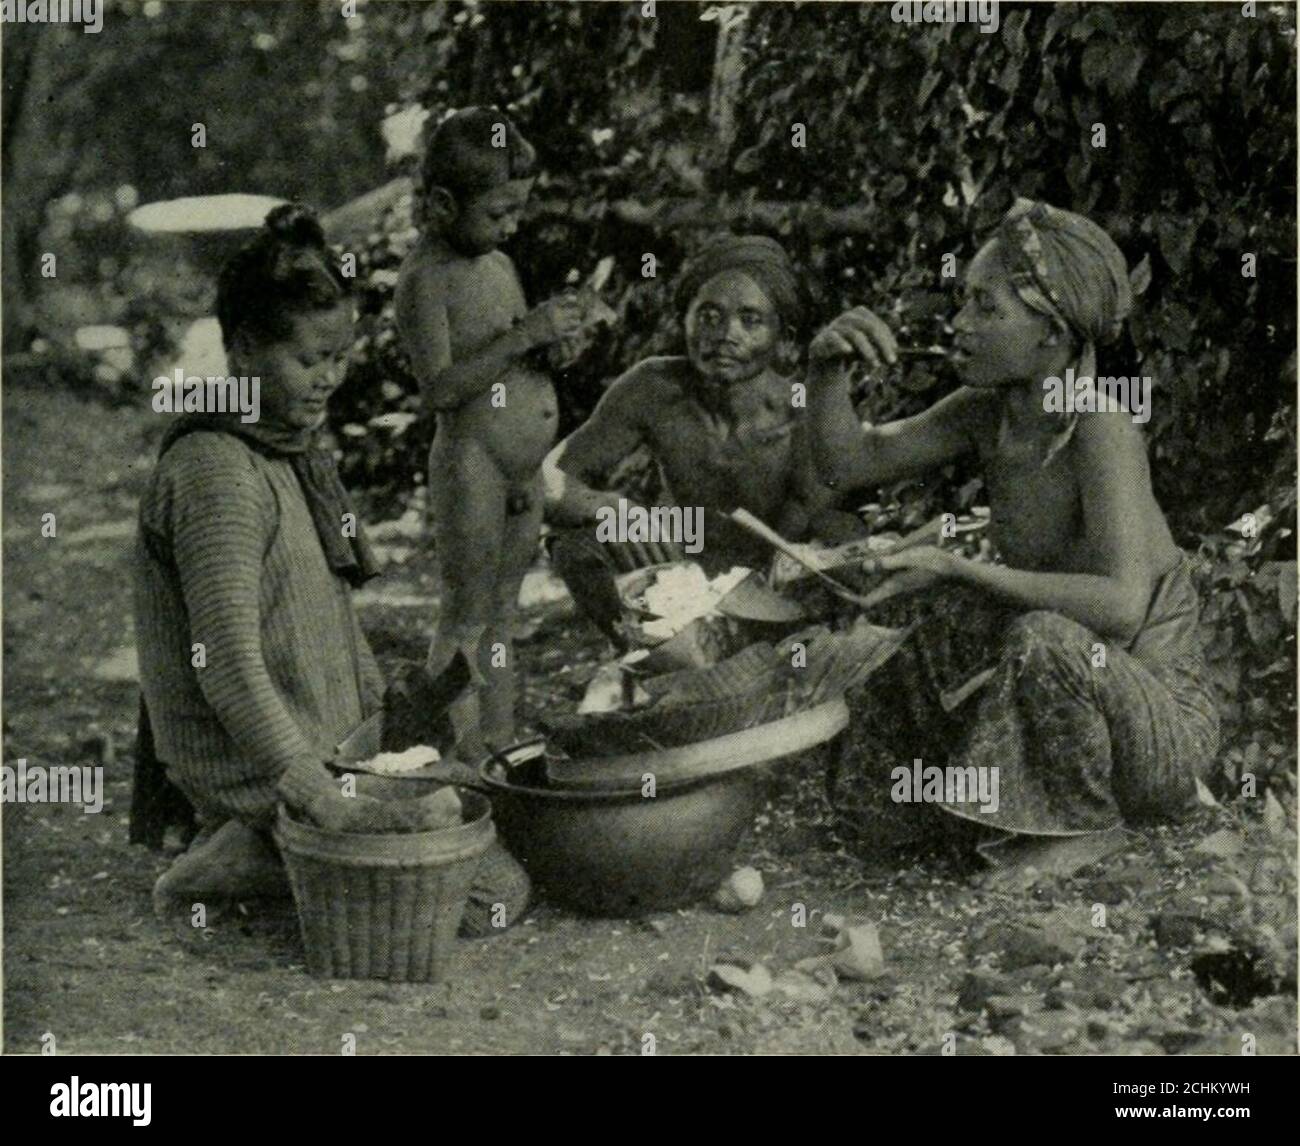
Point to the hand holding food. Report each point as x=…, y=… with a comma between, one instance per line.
x=856, y=333
x=554, y=320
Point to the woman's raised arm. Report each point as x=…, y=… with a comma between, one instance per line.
x=851, y=456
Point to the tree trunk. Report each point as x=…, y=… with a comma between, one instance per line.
x=41, y=64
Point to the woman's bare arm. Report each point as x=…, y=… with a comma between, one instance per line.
x=1113, y=478
x=849, y=455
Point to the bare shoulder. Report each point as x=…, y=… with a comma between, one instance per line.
x=497, y=262
x=423, y=270
x=421, y=277
x=1111, y=436
x=652, y=381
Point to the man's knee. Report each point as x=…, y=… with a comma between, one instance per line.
x=1045, y=637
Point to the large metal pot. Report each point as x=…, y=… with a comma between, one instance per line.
x=618, y=853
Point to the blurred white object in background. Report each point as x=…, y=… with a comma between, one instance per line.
x=401, y=132
x=193, y=213
x=201, y=351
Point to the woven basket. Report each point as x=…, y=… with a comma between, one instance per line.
x=383, y=906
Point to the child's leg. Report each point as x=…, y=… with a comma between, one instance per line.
x=467, y=497
x=496, y=657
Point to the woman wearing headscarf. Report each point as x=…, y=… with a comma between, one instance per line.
x=720, y=422
x=1095, y=706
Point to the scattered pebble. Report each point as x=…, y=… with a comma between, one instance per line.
x=740, y=891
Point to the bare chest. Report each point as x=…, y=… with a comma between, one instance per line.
x=706, y=460
x=484, y=299
x=1036, y=508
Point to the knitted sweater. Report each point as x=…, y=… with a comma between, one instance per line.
x=227, y=557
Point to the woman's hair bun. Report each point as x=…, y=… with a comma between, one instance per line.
x=285, y=269
x=295, y=224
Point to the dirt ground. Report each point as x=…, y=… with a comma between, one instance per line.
x=966, y=971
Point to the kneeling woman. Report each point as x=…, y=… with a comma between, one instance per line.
x=252, y=664
x=1097, y=706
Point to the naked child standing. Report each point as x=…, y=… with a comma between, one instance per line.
x=466, y=327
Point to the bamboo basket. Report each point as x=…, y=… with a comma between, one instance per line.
x=383, y=906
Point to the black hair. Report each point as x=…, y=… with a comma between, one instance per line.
x=286, y=269
x=462, y=154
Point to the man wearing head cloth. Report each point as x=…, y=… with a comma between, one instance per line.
x=721, y=423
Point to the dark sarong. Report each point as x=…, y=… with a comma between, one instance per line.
x=156, y=803
x=1084, y=733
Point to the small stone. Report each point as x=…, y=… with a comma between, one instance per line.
x=800, y=987
x=858, y=954
x=833, y=924
x=755, y=981
x=740, y=891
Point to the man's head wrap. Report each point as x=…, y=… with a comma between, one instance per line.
x=762, y=259
x=1067, y=267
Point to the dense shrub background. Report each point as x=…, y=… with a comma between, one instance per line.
x=925, y=134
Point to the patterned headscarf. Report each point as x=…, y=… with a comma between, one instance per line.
x=1066, y=267
x=764, y=260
